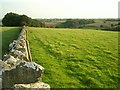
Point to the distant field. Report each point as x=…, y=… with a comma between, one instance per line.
x=99, y=23
x=75, y=58
x=53, y=23
x=8, y=35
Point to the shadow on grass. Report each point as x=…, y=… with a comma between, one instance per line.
x=8, y=36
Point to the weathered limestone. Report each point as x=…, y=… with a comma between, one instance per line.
x=38, y=85
x=11, y=60
x=21, y=73
x=18, y=48
x=4, y=65
x=17, y=71
x=11, y=45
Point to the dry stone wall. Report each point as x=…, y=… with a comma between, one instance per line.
x=17, y=71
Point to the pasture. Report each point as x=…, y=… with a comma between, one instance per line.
x=76, y=58
x=8, y=35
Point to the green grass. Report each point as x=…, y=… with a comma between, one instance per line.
x=8, y=35
x=75, y=58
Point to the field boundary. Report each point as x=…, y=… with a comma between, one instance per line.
x=18, y=68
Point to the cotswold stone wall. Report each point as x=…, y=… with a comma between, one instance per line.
x=17, y=71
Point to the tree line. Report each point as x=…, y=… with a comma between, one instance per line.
x=13, y=19
x=75, y=23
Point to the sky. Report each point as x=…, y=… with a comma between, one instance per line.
x=61, y=8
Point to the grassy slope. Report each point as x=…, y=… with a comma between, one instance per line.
x=98, y=23
x=76, y=58
x=8, y=35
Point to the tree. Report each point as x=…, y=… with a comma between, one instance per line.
x=71, y=23
x=112, y=25
x=12, y=19
x=101, y=25
x=75, y=23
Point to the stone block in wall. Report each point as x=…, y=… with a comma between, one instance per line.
x=18, y=45
x=11, y=60
x=36, y=86
x=11, y=45
x=22, y=42
x=4, y=65
x=22, y=73
x=19, y=54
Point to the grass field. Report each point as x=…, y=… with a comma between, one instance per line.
x=75, y=58
x=8, y=35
